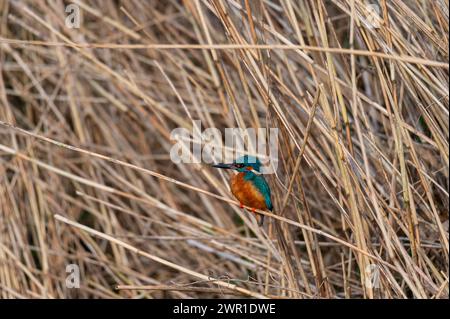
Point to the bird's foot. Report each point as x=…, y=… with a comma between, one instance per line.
x=241, y=205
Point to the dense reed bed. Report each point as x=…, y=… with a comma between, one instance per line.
x=358, y=92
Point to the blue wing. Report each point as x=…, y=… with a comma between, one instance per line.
x=263, y=187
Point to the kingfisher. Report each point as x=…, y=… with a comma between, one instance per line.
x=248, y=185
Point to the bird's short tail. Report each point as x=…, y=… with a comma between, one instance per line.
x=261, y=220
x=261, y=216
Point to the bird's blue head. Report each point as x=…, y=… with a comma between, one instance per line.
x=243, y=164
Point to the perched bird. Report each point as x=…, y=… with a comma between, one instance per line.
x=248, y=185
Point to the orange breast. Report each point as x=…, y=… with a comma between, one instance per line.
x=246, y=192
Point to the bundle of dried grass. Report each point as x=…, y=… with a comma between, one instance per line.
x=358, y=91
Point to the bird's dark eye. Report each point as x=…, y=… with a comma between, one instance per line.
x=240, y=165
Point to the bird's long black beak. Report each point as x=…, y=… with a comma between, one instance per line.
x=223, y=165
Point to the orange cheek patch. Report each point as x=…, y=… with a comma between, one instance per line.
x=249, y=168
